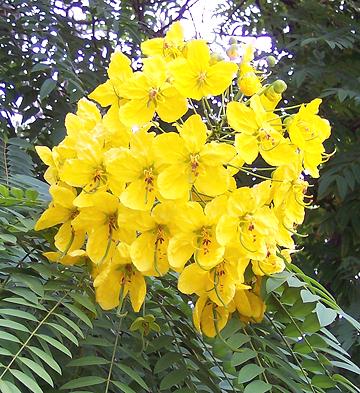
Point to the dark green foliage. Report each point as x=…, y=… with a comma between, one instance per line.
x=321, y=41
x=53, y=337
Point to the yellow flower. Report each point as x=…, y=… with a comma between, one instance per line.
x=195, y=234
x=219, y=282
x=248, y=222
x=289, y=191
x=115, y=132
x=119, y=72
x=69, y=259
x=249, y=83
x=100, y=220
x=170, y=47
x=117, y=278
x=269, y=265
x=189, y=161
x=63, y=211
x=88, y=169
x=308, y=131
x=259, y=131
x=149, y=250
x=148, y=92
x=196, y=77
x=138, y=168
x=249, y=305
x=209, y=318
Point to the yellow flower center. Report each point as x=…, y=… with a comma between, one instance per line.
x=206, y=240
x=98, y=177
x=201, y=80
x=113, y=222
x=160, y=235
x=154, y=95
x=149, y=179
x=194, y=164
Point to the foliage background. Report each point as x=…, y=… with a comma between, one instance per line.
x=48, y=60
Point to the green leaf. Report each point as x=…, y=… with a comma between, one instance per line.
x=132, y=374
x=36, y=368
x=84, y=301
x=347, y=366
x=238, y=340
x=55, y=343
x=45, y=357
x=87, y=361
x=18, y=313
x=242, y=357
x=46, y=88
x=276, y=280
x=80, y=314
x=8, y=387
x=124, y=388
x=322, y=381
x=8, y=337
x=83, y=382
x=325, y=315
x=65, y=332
x=257, y=387
x=166, y=361
x=249, y=372
x=173, y=378
x=311, y=324
x=26, y=380
x=308, y=297
x=8, y=323
x=71, y=324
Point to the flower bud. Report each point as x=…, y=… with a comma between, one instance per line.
x=271, y=61
x=279, y=86
x=232, y=41
x=233, y=51
x=215, y=57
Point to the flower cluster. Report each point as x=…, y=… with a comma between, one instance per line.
x=151, y=185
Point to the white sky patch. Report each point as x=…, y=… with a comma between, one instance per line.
x=202, y=23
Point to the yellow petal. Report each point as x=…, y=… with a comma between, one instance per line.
x=227, y=230
x=193, y=131
x=98, y=244
x=77, y=172
x=198, y=309
x=152, y=47
x=247, y=147
x=192, y=279
x=137, y=112
x=180, y=251
x=119, y=66
x=210, y=255
x=107, y=288
x=52, y=216
x=215, y=153
x=138, y=195
x=198, y=54
x=45, y=155
x=219, y=77
x=63, y=196
x=142, y=251
x=212, y=181
x=137, y=291
x=104, y=94
x=169, y=148
x=173, y=183
x=213, y=314
x=241, y=118
x=173, y=105
x=242, y=303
